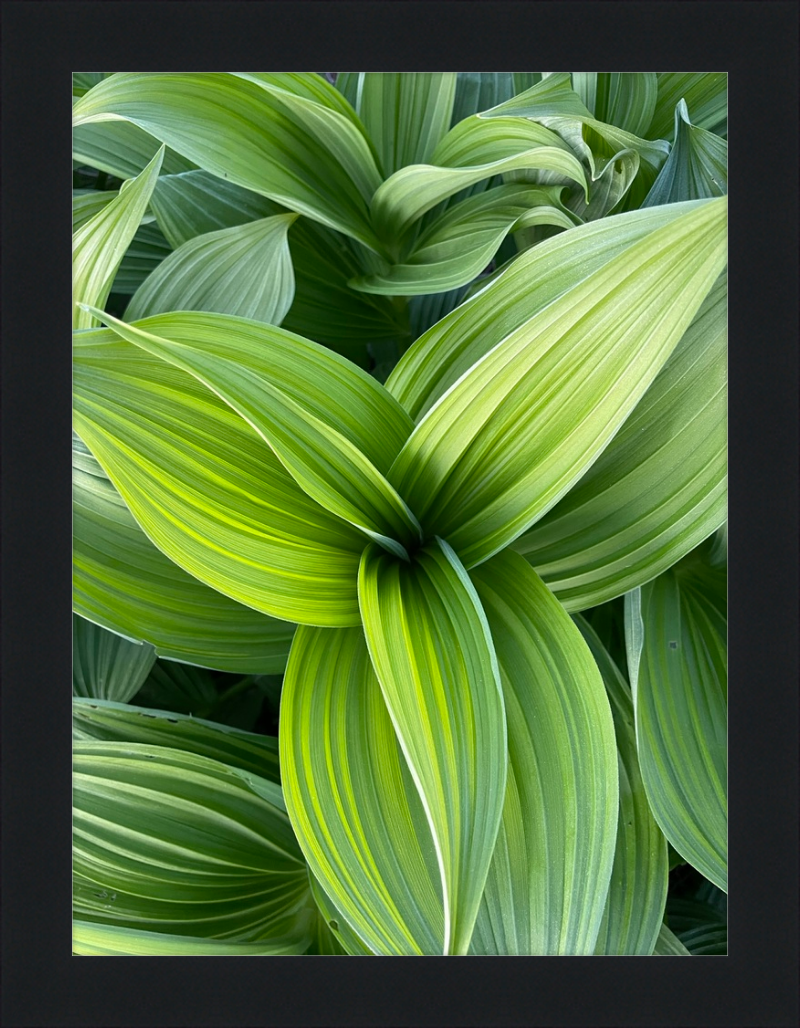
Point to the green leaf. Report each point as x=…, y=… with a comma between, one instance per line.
x=669, y=945
x=680, y=695
x=99, y=244
x=106, y=666
x=706, y=96
x=459, y=244
x=104, y=940
x=658, y=489
x=254, y=132
x=179, y=687
x=105, y=721
x=353, y=804
x=547, y=883
x=625, y=99
x=333, y=427
x=638, y=890
x=528, y=419
x=405, y=114
x=82, y=81
x=171, y=841
x=697, y=166
x=345, y=939
x=245, y=270
x=121, y=149
x=432, y=651
x=472, y=151
x=700, y=926
x=147, y=250
x=123, y=582
x=87, y=203
x=206, y=489
x=480, y=90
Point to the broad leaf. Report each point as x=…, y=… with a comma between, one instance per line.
x=105, y=721
x=333, y=427
x=680, y=695
x=705, y=94
x=701, y=928
x=432, y=651
x=122, y=150
x=528, y=419
x=257, y=134
x=669, y=945
x=86, y=203
x=625, y=99
x=344, y=938
x=245, y=271
x=172, y=841
x=207, y=490
x=104, y=665
x=147, y=250
x=123, y=582
x=697, y=166
x=352, y=801
x=635, y=905
x=547, y=883
x=90, y=939
x=99, y=244
x=658, y=489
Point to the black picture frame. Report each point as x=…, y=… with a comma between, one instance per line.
x=756, y=43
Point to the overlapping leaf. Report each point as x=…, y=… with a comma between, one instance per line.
x=207, y=490
x=104, y=665
x=123, y=582
x=625, y=99
x=706, y=95
x=90, y=939
x=147, y=250
x=525, y=422
x=99, y=245
x=547, y=884
x=635, y=906
x=255, y=132
x=433, y=654
x=696, y=167
x=658, y=489
x=245, y=270
x=680, y=695
x=331, y=425
x=122, y=150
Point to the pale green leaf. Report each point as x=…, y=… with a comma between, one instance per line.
x=99, y=244
x=658, y=489
x=87, y=203
x=706, y=96
x=626, y=99
x=432, y=651
x=90, y=939
x=245, y=270
x=123, y=582
x=104, y=665
x=548, y=880
x=330, y=424
x=680, y=696
x=257, y=134
x=527, y=420
x=147, y=250
x=697, y=166
x=207, y=490
x=405, y=114
x=353, y=804
x=122, y=150
x=638, y=889
x=106, y=721
x=168, y=840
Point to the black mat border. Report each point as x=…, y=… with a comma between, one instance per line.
x=757, y=44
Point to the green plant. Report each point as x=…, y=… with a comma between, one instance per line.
x=461, y=516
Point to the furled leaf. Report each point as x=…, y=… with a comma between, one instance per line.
x=171, y=841
x=433, y=654
x=353, y=804
x=405, y=114
x=122, y=150
x=123, y=582
x=257, y=134
x=638, y=889
x=472, y=151
x=104, y=665
x=206, y=489
x=658, y=489
x=680, y=695
x=245, y=270
x=99, y=244
x=528, y=419
x=459, y=244
x=625, y=99
x=333, y=427
x=706, y=96
x=105, y=721
x=548, y=879
x=90, y=939
x=696, y=167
